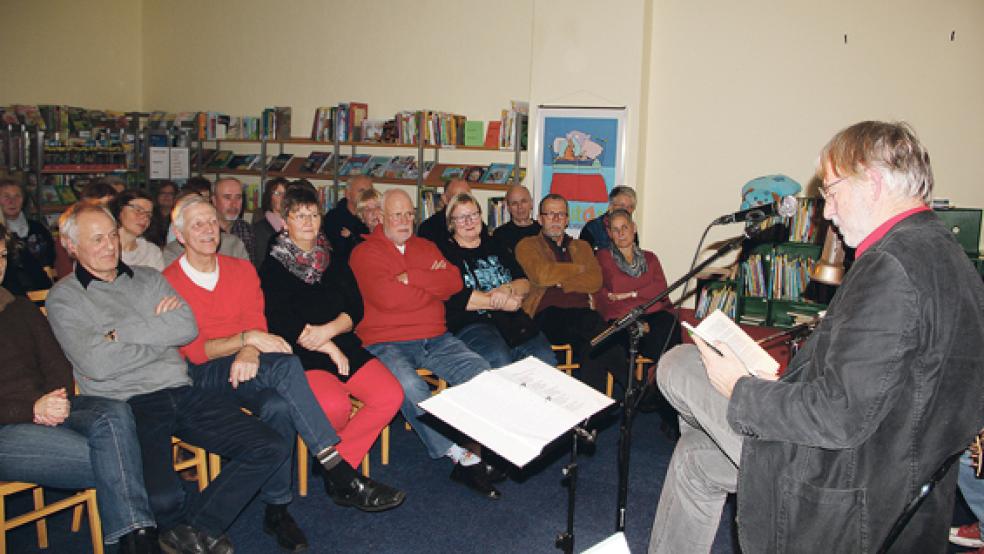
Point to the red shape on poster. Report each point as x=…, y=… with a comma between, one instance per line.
x=580, y=187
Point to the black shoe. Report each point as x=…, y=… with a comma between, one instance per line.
x=141, y=541
x=182, y=539
x=278, y=523
x=494, y=474
x=365, y=494
x=474, y=477
x=218, y=545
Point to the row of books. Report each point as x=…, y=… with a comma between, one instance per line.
x=716, y=298
x=63, y=120
x=804, y=224
x=381, y=167
x=498, y=212
x=787, y=278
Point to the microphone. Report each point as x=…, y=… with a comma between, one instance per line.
x=786, y=207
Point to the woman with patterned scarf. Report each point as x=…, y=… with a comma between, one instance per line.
x=314, y=305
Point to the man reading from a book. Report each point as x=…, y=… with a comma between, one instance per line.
x=888, y=386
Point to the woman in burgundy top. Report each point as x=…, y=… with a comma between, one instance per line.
x=630, y=277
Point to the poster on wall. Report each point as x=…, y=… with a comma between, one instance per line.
x=579, y=153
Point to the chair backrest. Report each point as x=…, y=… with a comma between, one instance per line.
x=39, y=297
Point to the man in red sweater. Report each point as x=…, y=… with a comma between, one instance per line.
x=404, y=282
x=234, y=355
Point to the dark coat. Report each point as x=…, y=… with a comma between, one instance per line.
x=888, y=386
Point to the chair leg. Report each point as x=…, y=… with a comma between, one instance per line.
x=41, y=524
x=95, y=524
x=385, y=447
x=3, y=525
x=609, y=385
x=214, y=467
x=302, y=467
x=77, y=518
x=365, y=465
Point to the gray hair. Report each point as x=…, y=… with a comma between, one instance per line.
x=623, y=190
x=367, y=196
x=68, y=223
x=215, y=185
x=182, y=205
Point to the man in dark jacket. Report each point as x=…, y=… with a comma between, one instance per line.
x=887, y=387
x=341, y=224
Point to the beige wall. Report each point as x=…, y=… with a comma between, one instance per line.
x=70, y=52
x=743, y=89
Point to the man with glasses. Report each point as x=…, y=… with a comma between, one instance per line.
x=404, y=282
x=521, y=223
x=887, y=387
x=563, y=274
x=235, y=357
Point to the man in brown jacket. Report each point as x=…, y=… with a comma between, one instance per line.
x=563, y=273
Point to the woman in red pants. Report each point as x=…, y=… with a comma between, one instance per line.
x=314, y=305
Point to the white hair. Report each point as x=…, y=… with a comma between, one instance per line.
x=68, y=223
x=182, y=205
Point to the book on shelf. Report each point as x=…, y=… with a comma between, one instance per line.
x=205, y=155
x=316, y=162
x=358, y=112
x=355, y=164
x=411, y=172
x=430, y=202
x=340, y=163
x=498, y=174
x=492, y=134
x=452, y=172
x=326, y=197
x=279, y=162
x=372, y=130
x=805, y=223
x=474, y=133
x=717, y=327
x=376, y=167
x=341, y=123
x=498, y=212
x=398, y=167
x=282, y=116
x=321, y=128
x=242, y=162
x=474, y=173
x=712, y=298
x=220, y=160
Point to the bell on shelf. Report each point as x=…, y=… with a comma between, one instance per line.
x=829, y=269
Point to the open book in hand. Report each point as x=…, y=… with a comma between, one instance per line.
x=718, y=327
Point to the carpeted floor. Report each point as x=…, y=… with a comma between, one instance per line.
x=442, y=516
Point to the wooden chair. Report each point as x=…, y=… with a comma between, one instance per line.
x=39, y=297
x=78, y=501
x=568, y=366
x=197, y=460
x=435, y=382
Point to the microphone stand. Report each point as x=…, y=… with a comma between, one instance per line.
x=631, y=320
x=565, y=540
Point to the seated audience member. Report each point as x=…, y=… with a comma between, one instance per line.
x=236, y=358
x=266, y=227
x=167, y=192
x=972, y=489
x=435, y=227
x=98, y=191
x=595, y=232
x=120, y=328
x=521, y=223
x=31, y=248
x=369, y=209
x=313, y=303
x=404, y=282
x=227, y=196
x=85, y=441
x=133, y=209
x=229, y=244
x=486, y=314
x=894, y=371
x=630, y=277
x=197, y=184
x=563, y=274
x=341, y=226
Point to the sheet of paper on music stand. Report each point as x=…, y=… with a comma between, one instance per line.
x=518, y=409
x=615, y=544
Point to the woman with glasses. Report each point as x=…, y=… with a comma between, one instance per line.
x=486, y=313
x=314, y=305
x=133, y=210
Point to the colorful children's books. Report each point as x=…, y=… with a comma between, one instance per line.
x=355, y=164
x=316, y=162
x=279, y=162
x=377, y=166
x=498, y=174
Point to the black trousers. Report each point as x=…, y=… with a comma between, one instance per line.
x=577, y=326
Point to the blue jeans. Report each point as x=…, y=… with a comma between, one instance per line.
x=217, y=425
x=445, y=356
x=95, y=447
x=971, y=487
x=486, y=341
x=279, y=396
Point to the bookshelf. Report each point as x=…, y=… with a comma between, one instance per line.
x=771, y=284
x=424, y=155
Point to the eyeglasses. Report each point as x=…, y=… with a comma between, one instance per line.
x=400, y=216
x=140, y=211
x=825, y=190
x=464, y=218
x=305, y=217
x=554, y=215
